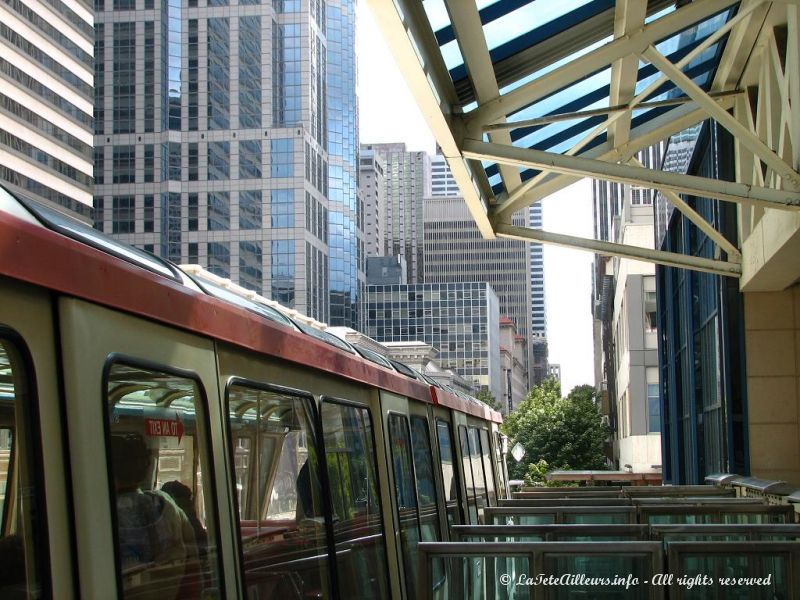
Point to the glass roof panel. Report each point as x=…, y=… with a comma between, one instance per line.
x=518, y=22
x=437, y=14
x=561, y=100
x=451, y=54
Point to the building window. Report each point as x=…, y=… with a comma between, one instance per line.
x=218, y=73
x=124, y=164
x=192, y=213
x=654, y=409
x=249, y=70
x=283, y=272
x=149, y=163
x=193, y=73
x=174, y=161
x=250, y=270
x=219, y=259
x=123, y=214
x=193, y=156
x=219, y=211
x=250, y=209
x=148, y=222
x=124, y=73
x=282, y=157
x=219, y=161
x=250, y=159
x=192, y=254
x=282, y=208
x=286, y=74
x=99, y=165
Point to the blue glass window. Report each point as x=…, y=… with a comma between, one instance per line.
x=250, y=71
x=218, y=74
x=282, y=157
x=250, y=209
x=249, y=159
x=282, y=208
x=250, y=269
x=219, y=161
x=219, y=258
x=219, y=211
x=654, y=409
x=283, y=272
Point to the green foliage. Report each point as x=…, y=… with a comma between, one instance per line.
x=557, y=432
x=488, y=398
x=535, y=476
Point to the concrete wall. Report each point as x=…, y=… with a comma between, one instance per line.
x=772, y=330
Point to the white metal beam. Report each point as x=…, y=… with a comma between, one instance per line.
x=406, y=29
x=647, y=134
x=699, y=221
x=466, y=22
x=594, y=61
x=629, y=17
x=743, y=135
x=670, y=259
x=652, y=178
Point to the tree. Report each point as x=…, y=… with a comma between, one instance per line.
x=557, y=432
x=485, y=396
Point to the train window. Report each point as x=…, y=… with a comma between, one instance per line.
x=426, y=486
x=449, y=473
x=22, y=538
x=469, y=483
x=498, y=462
x=486, y=455
x=357, y=524
x=281, y=509
x=477, y=471
x=160, y=474
x=406, y=495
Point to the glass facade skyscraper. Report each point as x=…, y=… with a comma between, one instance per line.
x=225, y=136
x=460, y=320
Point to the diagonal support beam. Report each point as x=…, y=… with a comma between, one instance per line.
x=742, y=134
x=583, y=66
x=698, y=220
x=669, y=259
x=586, y=167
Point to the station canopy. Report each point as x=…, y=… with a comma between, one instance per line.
x=525, y=97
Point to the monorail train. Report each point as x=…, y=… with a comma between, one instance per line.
x=164, y=437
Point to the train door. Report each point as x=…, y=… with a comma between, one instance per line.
x=408, y=450
x=453, y=497
x=153, y=515
x=36, y=550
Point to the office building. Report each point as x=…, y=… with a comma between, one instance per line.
x=46, y=109
x=225, y=136
x=371, y=181
x=514, y=359
x=626, y=337
x=455, y=251
x=460, y=320
x=405, y=177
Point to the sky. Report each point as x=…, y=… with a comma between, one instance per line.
x=388, y=113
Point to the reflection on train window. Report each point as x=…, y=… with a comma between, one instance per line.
x=426, y=487
x=21, y=537
x=281, y=508
x=498, y=464
x=449, y=473
x=405, y=492
x=469, y=480
x=486, y=455
x=159, y=471
x=357, y=524
x=479, y=477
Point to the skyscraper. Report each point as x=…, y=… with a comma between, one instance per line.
x=406, y=176
x=46, y=82
x=455, y=251
x=225, y=136
x=372, y=173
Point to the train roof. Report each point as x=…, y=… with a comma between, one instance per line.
x=80, y=261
